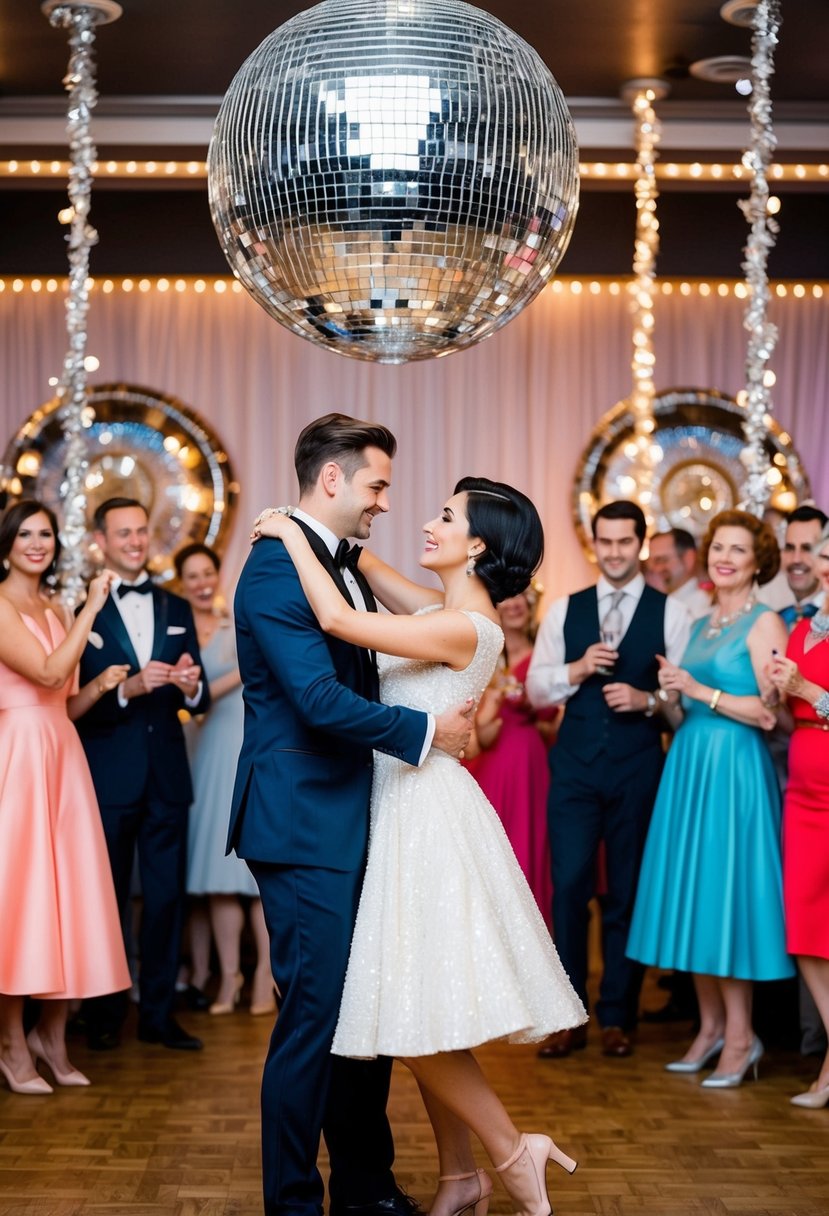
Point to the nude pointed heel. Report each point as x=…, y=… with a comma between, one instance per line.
x=220, y=1008
x=36, y=1086
x=479, y=1206
x=529, y=1164
x=74, y=1077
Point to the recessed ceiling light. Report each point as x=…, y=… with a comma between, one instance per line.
x=722, y=69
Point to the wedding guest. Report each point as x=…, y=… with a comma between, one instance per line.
x=135, y=747
x=804, y=676
x=607, y=760
x=709, y=899
x=60, y=934
x=672, y=568
x=513, y=738
x=216, y=740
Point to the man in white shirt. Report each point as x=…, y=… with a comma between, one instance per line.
x=672, y=568
x=607, y=761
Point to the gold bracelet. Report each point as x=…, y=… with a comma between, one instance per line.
x=715, y=700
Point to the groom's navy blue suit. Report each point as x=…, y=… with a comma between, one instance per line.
x=300, y=818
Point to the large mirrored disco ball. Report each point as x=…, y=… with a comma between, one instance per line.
x=393, y=179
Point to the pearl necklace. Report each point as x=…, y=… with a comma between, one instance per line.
x=715, y=627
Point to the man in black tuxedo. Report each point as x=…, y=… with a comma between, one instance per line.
x=607, y=760
x=300, y=818
x=135, y=747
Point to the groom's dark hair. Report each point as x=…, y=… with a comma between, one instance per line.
x=341, y=439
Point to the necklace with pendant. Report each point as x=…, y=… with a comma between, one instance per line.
x=819, y=626
x=716, y=627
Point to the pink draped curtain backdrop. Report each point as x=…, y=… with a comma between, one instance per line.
x=518, y=408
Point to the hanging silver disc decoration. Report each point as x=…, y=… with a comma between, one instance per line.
x=393, y=179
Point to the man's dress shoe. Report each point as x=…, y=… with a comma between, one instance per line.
x=560, y=1044
x=400, y=1204
x=615, y=1042
x=194, y=998
x=169, y=1035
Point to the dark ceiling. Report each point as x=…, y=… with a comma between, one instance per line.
x=167, y=63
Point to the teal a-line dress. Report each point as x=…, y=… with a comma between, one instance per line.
x=710, y=894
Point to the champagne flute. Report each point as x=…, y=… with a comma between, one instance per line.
x=611, y=635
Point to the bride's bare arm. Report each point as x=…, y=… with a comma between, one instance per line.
x=438, y=637
x=393, y=589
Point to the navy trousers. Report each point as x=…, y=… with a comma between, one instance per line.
x=305, y=1090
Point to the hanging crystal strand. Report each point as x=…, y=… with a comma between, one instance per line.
x=761, y=240
x=646, y=248
x=80, y=20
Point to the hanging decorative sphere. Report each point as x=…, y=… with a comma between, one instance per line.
x=393, y=179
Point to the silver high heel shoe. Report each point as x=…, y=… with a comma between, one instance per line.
x=730, y=1080
x=696, y=1065
x=813, y=1099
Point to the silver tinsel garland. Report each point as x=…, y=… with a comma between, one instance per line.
x=80, y=20
x=763, y=232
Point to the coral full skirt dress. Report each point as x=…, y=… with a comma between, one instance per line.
x=60, y=934
x=710, y=893
x=806, y=810
x=449, y=948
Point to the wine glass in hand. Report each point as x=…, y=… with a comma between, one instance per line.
x=611, y=635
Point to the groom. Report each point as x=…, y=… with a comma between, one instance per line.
x=299, y=818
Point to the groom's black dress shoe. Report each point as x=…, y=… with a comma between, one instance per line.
x=400, y=1204
x=169, y=1035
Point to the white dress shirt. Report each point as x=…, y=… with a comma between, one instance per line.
x=138, y=614
x=353, y=587
x=548, y=679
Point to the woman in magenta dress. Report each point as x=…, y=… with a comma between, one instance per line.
x=60, y=936
x=804, y=676
x=511, y=766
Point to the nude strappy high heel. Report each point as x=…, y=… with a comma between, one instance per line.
x=529, y=1172
x=479, y=1206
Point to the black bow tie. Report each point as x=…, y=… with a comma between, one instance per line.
x=139, y=588
x=347, y=555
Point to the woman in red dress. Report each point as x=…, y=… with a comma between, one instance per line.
x=804, y=676
x=511, y=766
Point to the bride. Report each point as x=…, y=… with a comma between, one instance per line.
x=449, y=948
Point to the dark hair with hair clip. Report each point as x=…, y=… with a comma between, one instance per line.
x=510, y=527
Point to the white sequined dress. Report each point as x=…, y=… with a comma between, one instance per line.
x=449, y=949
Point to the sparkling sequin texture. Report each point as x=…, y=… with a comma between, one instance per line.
x=393, y=179
x=449, y=949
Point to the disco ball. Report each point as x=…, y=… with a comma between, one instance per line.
x=393, y=179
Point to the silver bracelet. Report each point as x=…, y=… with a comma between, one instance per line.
x=821, y=705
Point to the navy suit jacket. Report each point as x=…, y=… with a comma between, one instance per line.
x=312, y=718
x=126, y=746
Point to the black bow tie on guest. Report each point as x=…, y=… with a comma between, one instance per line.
x=347, y=555
x=139, y=588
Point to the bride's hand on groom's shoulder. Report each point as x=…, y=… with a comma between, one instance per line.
x=274, y=522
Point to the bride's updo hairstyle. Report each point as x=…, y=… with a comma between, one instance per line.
x=509, y=525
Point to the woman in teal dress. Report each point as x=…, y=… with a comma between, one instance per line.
x=710, y=889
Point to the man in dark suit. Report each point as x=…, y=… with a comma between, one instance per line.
x=607, y=760
x=300, y=819
x=135, y=747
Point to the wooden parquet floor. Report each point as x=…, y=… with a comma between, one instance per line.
x=164, y=1133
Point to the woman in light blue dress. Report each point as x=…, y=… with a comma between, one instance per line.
x=710, y=896
x=213, y=748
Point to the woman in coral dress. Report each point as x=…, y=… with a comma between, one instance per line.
x=511, y=766
x=60, y=936
x=804, y=676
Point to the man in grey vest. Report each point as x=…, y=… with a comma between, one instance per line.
x=608, y=758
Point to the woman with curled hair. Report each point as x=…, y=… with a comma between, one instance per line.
x=710, y=898
x=60, y=934
x=449, y=950
x=803, y=676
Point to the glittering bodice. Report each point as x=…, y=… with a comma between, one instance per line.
x=434, y=687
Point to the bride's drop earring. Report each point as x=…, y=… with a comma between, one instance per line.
x=470, y=566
